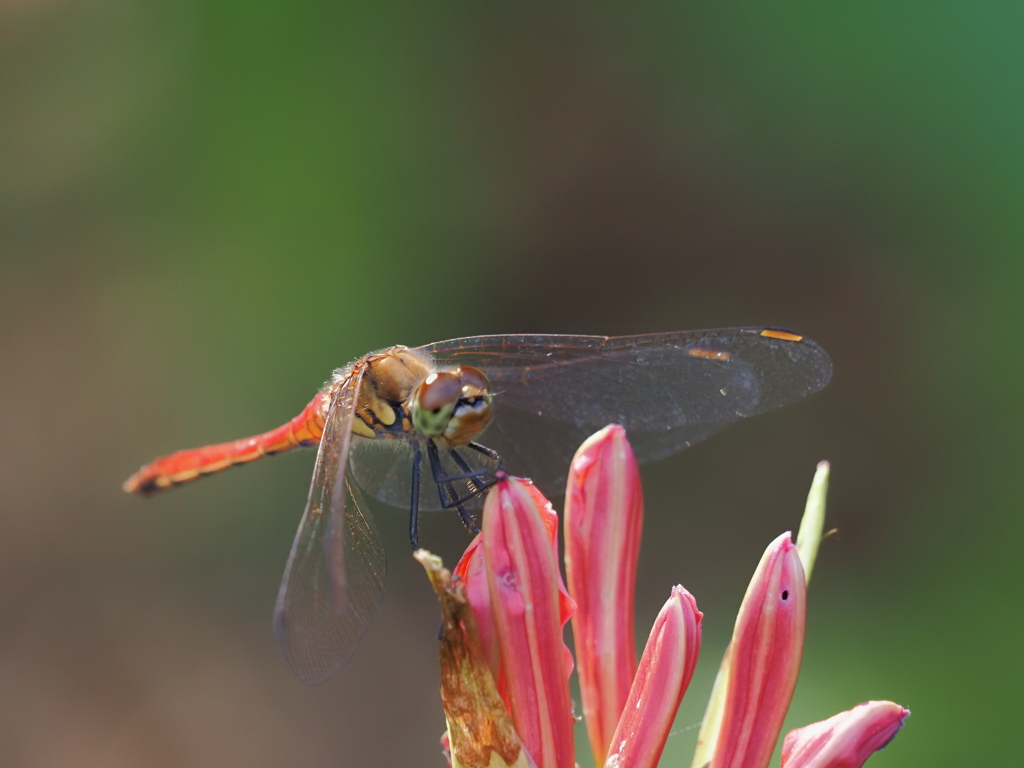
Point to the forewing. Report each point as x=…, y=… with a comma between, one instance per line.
x=669, y=390
x=334, y=581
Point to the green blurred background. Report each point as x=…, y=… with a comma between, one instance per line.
x=205, y=207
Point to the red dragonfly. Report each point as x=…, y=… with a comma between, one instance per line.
x=401, y=425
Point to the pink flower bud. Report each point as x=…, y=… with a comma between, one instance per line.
x=471, y=573
x=762, y=662
x=523, y=582
x=845, y=740
x=603, y=518
x=664, y=674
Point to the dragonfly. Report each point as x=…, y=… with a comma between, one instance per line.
x=435, y=426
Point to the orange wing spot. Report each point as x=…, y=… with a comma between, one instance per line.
x=709, y=354
x=771, y=333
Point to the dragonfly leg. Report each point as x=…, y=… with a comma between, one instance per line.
x=444, y=485
x=445, y=491
x=470, y=476
x=498, y=473
x=488, y=452
x=414, y=502
x=467, y=519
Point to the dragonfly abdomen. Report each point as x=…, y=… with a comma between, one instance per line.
x=185, y=466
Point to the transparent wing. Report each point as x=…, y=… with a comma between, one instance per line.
x=669, y=390
x=334, y=581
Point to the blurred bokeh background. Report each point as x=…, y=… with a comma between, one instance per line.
x=205, y=207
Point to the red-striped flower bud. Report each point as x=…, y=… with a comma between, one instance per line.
x=523, y=582
x=471, y=572
x=603, y=518
x=661, y=680
x=845, y=740
x=758, y=675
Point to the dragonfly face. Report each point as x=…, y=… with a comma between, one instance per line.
x=537, y=396
x=452, y=405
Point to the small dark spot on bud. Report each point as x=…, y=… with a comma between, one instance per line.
x=785, y=594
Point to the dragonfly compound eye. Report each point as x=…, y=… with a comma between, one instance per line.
x=433, y=402
x=474, y=382
x=473, y=409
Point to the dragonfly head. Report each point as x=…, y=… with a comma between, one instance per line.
x=452, y=405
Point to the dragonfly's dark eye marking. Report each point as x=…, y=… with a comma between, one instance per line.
x=785, y=594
